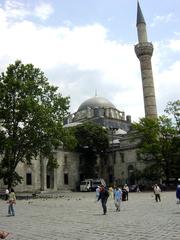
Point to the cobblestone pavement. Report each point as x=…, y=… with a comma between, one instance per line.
x=78, y=216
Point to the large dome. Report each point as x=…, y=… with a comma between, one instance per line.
x=96, y=102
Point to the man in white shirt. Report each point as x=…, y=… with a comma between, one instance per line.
x=157, y=192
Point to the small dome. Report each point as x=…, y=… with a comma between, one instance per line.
x=96, y=102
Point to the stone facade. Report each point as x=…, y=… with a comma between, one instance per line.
x=38, y=177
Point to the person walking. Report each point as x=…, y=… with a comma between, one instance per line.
x=117, y=198
x=11, y=201
x=178, y=191
x=103, y=196
x=157, y=192
x=127, y=191
x=111, y=192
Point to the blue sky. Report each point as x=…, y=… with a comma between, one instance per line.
x=88, y=45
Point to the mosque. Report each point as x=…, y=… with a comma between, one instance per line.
x=122, y=157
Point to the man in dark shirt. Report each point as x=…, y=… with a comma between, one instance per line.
x=178, y=191
x=103, y=195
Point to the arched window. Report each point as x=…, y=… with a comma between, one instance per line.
x=28, y=176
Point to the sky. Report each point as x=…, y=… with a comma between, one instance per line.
x=87, y=46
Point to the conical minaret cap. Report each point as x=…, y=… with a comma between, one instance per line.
x=140, y=17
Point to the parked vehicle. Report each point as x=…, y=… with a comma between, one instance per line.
x=85, y=186
x=90, y=184
x=95, y=184
x=133, y=188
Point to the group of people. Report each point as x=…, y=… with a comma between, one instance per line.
x=118, y=194
x=121, y=194
x=10, y=197
x=102, y=193
x=157, y=192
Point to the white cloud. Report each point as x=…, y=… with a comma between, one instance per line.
x=167, y=85
x=82, y=59
x=15, y=9
x=67, y=23
x=43, y=10
x=174, y=44
x=18, y=10
x=162, y=19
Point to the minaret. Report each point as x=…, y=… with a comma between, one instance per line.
x=144, y=51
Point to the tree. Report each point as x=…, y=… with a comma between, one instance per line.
x=92, y=140
x=31, y=115
x=157, y=147
x=173, y=108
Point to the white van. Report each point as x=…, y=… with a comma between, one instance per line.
x=90, y=184
x=95, y=184
x=85, y=186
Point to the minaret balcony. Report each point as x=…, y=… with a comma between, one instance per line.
x=145, y=48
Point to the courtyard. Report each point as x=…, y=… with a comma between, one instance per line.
x=77, y=215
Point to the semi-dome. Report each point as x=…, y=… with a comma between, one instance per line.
x=96, y=102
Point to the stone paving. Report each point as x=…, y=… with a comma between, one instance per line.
x=77, y=216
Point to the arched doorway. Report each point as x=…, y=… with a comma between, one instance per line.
x=49, y=177
x=131, y=176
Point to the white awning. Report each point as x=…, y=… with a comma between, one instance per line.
x=120, y=132
x=73, y=124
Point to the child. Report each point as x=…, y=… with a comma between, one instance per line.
x=11, y=201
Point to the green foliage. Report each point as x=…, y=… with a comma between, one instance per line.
x=31, y=115
x=160, y=145
x=91, y=140
x=173, y=109
x=152, y=173
x=92, y=136
x=69, y=140
x=52, y=162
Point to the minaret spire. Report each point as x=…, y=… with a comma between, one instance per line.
x=140, y=17
x=141, y=25
x=144, y=51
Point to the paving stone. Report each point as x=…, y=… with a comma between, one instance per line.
x=78, y=216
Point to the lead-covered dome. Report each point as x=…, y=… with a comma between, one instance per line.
x=96, y=102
